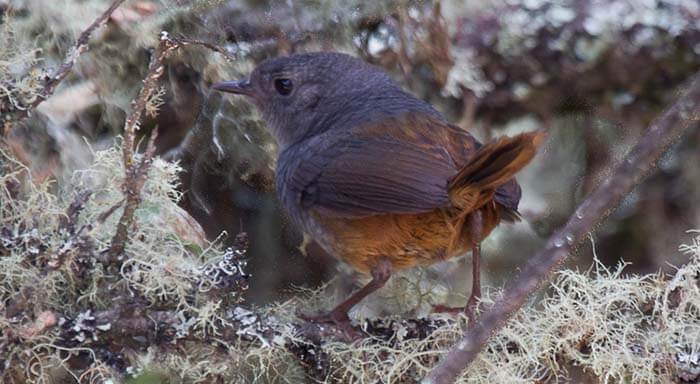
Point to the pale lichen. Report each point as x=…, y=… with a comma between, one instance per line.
x=617, y=327
x=20, y=77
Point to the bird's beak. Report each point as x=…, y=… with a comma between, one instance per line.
x=240, y=87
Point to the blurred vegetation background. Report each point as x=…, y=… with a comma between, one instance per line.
x=592, y=73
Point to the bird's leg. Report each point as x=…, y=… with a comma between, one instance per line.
x=475, y=228
x=339, y=315
x=475, y=224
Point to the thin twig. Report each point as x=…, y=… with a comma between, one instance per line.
x=180, y=40
x=81, y=45
x=639, y=162
x=70, y=219
x=136, y=173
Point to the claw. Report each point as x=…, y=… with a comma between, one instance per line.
x=469, y=310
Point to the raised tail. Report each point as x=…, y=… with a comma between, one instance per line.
x=493, y=165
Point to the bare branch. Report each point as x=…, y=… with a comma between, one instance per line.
x=639, y=162
x=69, y=220
x=106, y=214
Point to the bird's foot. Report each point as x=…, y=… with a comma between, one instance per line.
x=469, y=310
x=471, y=307
x=336, y=318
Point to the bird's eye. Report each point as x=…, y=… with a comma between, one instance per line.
x=283, y=86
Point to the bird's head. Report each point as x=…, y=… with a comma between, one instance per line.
x=303, y=94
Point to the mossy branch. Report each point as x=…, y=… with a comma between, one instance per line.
x=639, y=162
x=135, y=174
x=81, y=45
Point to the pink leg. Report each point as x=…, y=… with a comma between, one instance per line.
x=475, y=231
x=339, y=314
x=475, y=225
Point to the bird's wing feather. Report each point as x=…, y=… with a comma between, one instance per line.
x=359, y=177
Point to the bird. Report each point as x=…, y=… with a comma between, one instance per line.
x=377, y=177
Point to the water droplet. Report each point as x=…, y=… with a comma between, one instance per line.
x=558, y=243
x=569, y=239
x=579, y=214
